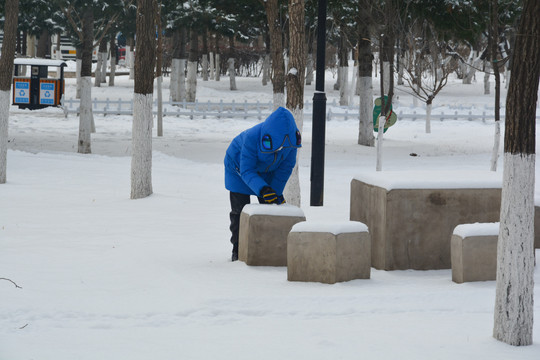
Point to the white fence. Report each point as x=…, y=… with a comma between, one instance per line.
x=261, y=110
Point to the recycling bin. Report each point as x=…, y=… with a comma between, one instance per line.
x=37, y=91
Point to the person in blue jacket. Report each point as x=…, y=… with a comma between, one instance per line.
x=259, y=161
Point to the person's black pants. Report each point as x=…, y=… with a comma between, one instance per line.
x=238, y=201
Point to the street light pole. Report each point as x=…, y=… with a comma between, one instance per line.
x=319, y=113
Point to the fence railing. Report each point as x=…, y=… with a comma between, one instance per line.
x=261, y=110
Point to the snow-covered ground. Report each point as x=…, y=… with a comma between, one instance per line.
x=106, y=277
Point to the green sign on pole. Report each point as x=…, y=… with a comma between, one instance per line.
x=390, y=120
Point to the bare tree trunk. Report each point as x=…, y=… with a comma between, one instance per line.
x=182, y=69
x=113, y=61
x=276, y=50
x=141, y=161
x=44, y=44
x=365, y=80
x=204, y=63
x=486, y=78
x=266, y=69
x=191, y=83
x=11, y=12
x=103, y=52
x=295, y=87
x=310, y=63
x=513, y=315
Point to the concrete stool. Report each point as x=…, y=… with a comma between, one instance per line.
x=328, y=253
x=474, y=252
x=263, y=233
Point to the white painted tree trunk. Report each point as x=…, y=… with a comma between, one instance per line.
x=338, y=79
x=351, y=94
x=508, y=73
x=205, y=67
x=78, y=67
x=5, y=101
x=291, y=193
x=212, y=66
x=343, y=86
x=85, y=116
x=173, y=87
x=160, y=105
x=382, y=121
x=58, y=69
x=218, y=68
x=97, y=72
x=486, y=79
x=232, y=75
x=131, y=64
x=470, y=70
x=127, y=60
x=429, y=108
x=496, y=145
x=141, y=160
x=515, y=262
x=191, y=81
x=365, y=129
x=104, y=67
x=113, y=71
x=182, y=80
x=279, y=100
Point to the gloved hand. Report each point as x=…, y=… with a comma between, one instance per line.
x=280, y=200
x=269, y=195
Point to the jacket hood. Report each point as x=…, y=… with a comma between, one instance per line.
x=279, y=131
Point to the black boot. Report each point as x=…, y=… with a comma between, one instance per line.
x=238, y=201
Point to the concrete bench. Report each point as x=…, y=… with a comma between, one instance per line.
x=263, y=233
x=474, y=252
x=328, y=252
x=411, y=215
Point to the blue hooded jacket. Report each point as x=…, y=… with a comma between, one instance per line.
x=263, y=155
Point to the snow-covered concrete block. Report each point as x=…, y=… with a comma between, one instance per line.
x=328, y=252
x=263, y=233
x=474, y=252
x=411, y=215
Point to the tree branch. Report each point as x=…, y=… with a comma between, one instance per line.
x=11, y=281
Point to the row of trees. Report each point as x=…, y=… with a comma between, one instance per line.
x=424, y=41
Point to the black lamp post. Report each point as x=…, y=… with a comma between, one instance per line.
x=319, y=114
